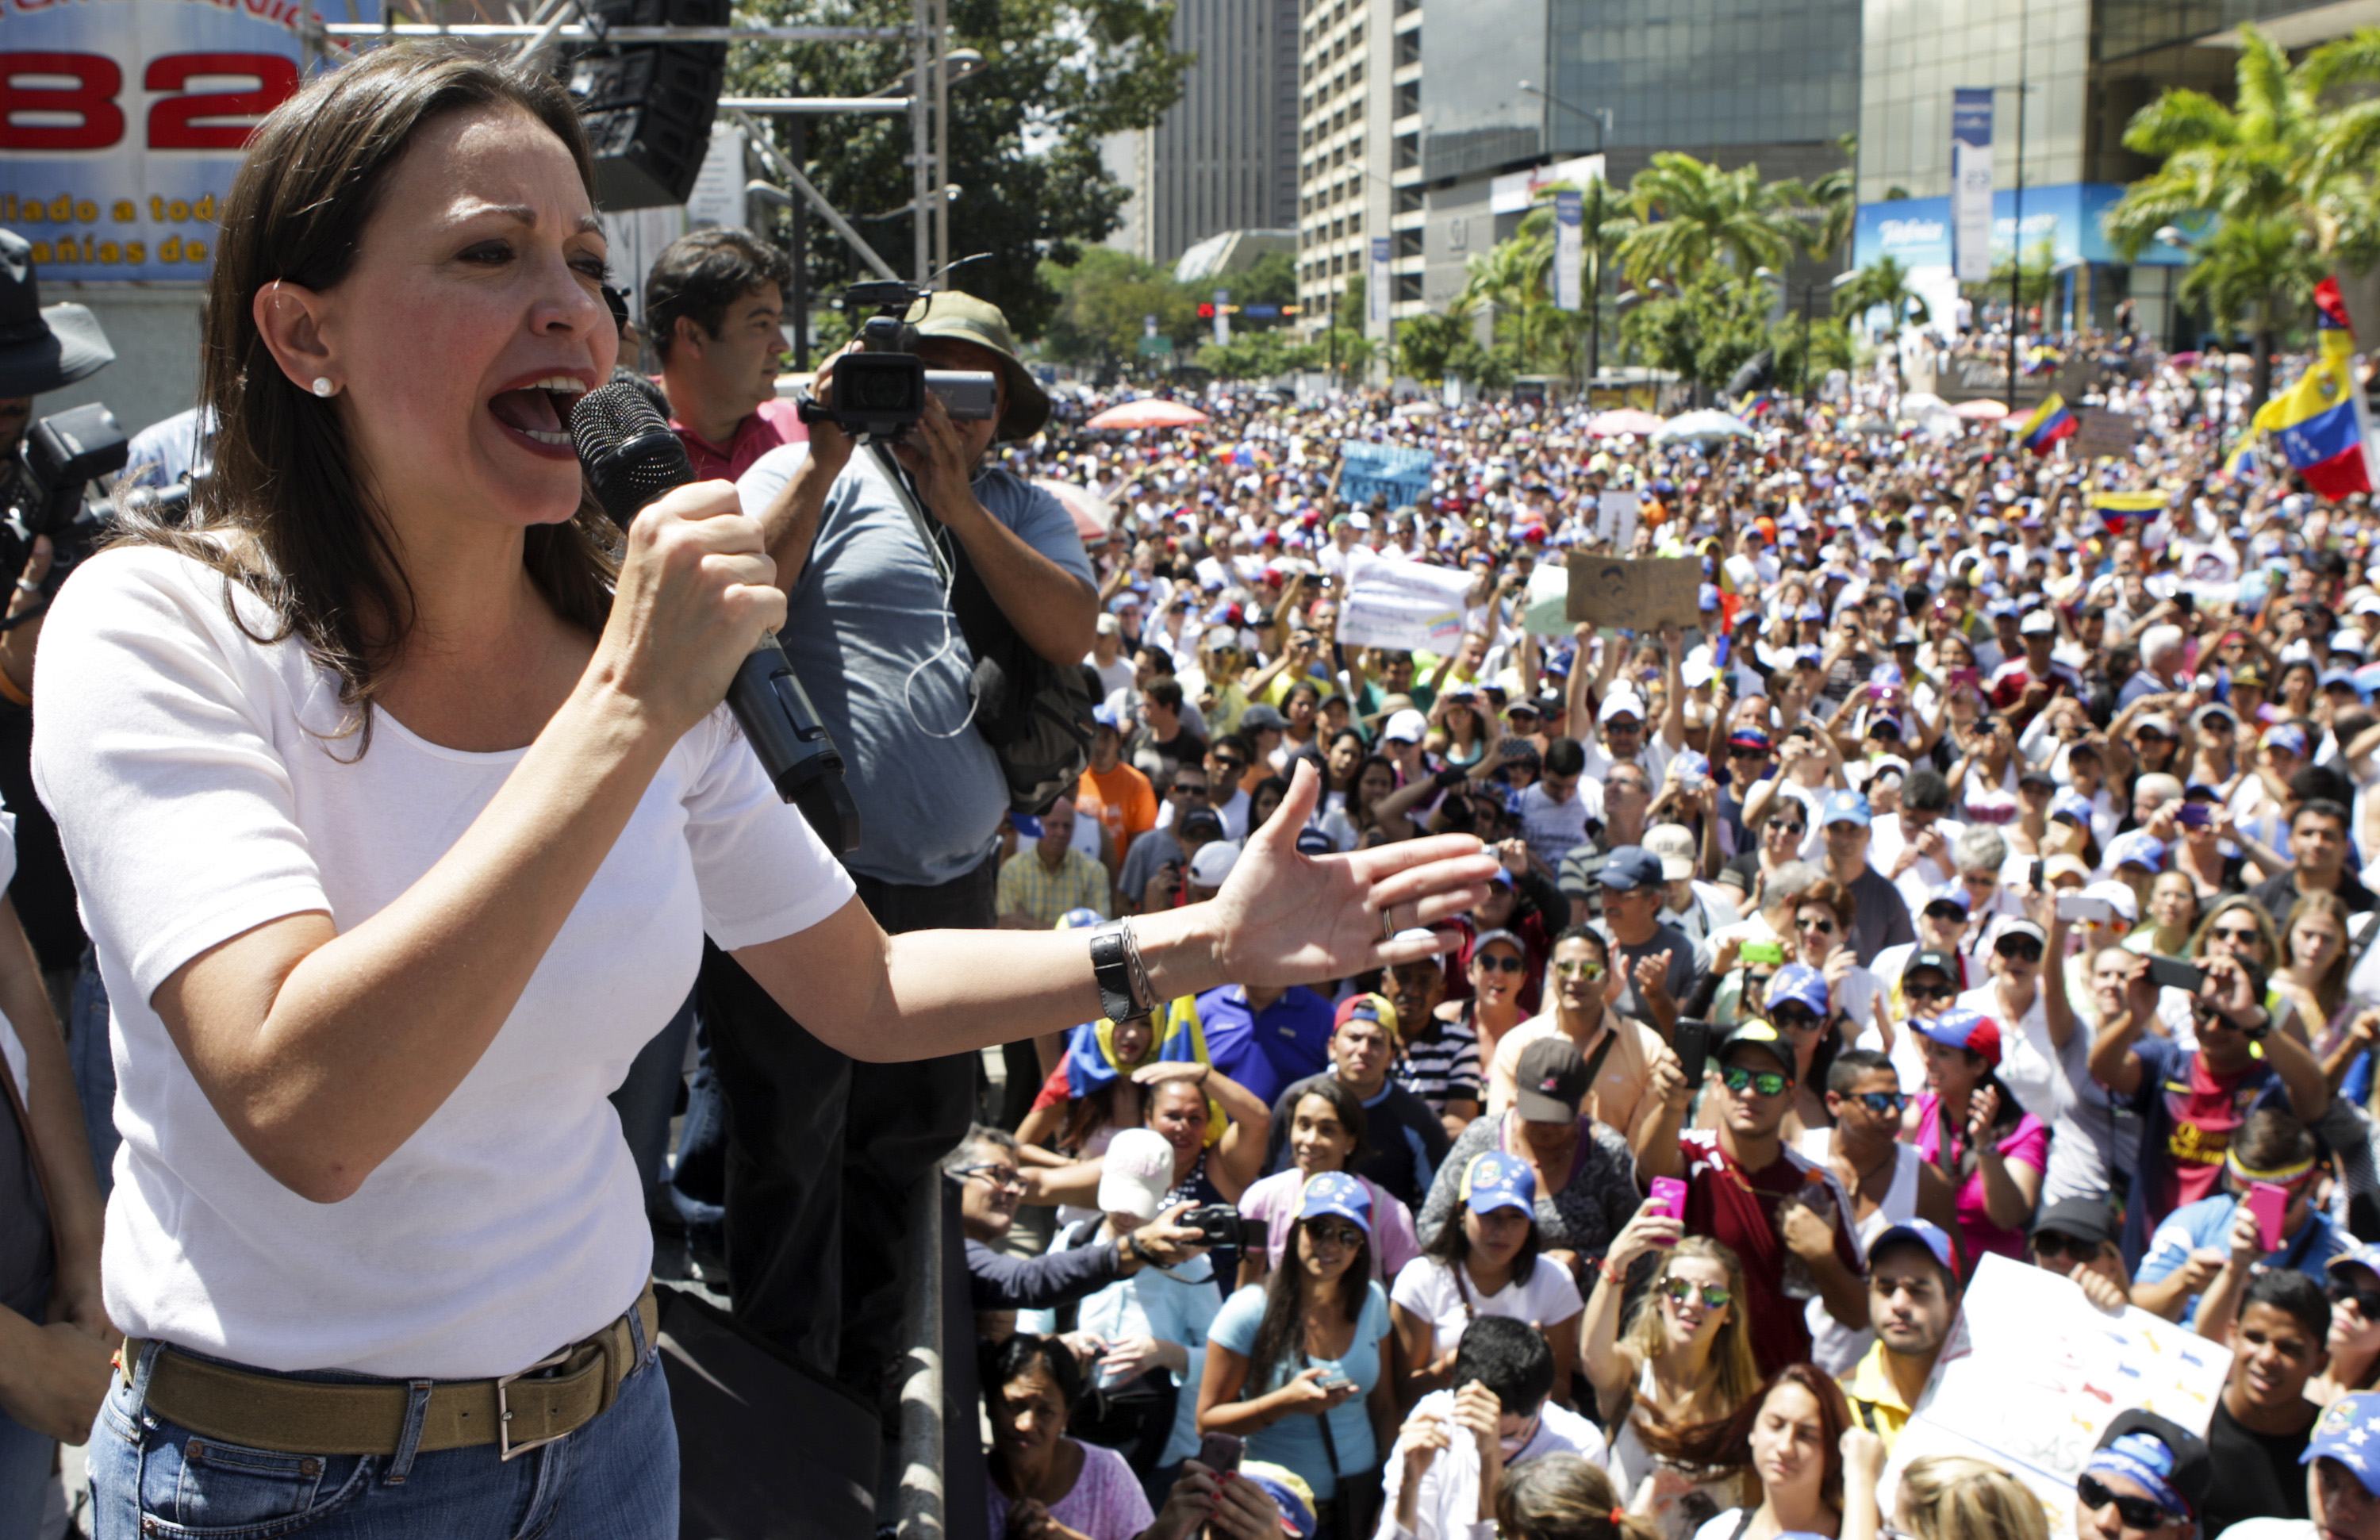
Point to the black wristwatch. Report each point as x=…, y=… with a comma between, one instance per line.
x=1113, y=971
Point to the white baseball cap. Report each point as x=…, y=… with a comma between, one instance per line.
x=1407, y=727
x=1214, y=862
x=1674, y=843
x=1137, y=1174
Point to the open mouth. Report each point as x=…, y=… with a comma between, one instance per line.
x=539, y=410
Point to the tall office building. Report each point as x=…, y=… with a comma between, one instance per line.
x=1443, y=159
x=1224, y=157
x=2086, y=66
x=1359, y=150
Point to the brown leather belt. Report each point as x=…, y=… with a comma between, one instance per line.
x=304, y=1416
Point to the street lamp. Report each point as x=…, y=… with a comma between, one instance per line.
x=1601, y=118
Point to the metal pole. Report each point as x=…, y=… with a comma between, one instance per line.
x=798, y=180
x=1595, y=291
x=369, y=31
x=921, y=142
x=797, y=237
x=798, y=107
x=942, y=252
x=2016, y=244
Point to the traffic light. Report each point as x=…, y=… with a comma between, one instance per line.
x=1206, y=311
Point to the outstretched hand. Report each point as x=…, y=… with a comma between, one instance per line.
x=1284, y=918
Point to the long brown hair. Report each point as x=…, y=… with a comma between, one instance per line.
x=1281, y=1334
x=1723, y=1445
x=1735, y=1375
x=287, y=512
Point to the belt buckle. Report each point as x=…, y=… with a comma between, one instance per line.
x=505, y=1446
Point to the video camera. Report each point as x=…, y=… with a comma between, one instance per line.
x=61, y=456
x=1222, y=1225
x=880, y=389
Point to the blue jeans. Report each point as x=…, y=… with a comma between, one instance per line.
x=613, y=1479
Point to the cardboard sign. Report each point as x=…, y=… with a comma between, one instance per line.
x=1634, y=596
x=1615, y=514
x=1411, y=606
x=2032, y=1371
x=2098, y=432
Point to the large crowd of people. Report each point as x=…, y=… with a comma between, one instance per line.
x=1557, y=1081
x=1991, y=846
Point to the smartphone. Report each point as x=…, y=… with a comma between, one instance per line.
x=1767, y=952
x=1669, y=1196
x=1221, y=1452
x=2172, y=973
x=1335, y=1381
x=2033, y=873
x=2195, y=815
x=1691, y=1043
x=2075, y=907
x=1966, y=677
x=2269, y=1201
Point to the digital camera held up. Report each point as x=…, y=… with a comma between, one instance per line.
x=880, y=389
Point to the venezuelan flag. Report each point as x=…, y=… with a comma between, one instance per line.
x=2049, y=423
x=2116, y=510
x=2319, y=422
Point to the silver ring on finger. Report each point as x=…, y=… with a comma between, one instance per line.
x=1387, y=922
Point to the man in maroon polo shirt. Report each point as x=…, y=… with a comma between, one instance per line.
x=714, y=309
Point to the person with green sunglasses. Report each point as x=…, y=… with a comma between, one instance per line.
x=1740, y=1177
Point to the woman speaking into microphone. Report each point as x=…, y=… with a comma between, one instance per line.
x=398, y=807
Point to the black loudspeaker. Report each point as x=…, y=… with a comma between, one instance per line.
x=647, y=106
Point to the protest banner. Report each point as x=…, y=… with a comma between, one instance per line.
x=2032, y=1371
x=1367, y=471
x=2098, y=432
x=1545, y=606
x=1411, y=606
x=1634, y=596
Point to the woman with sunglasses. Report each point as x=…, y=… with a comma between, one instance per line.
x=1683, y=1359
x=2025, y=993
x=1486, y=1260
x=1969, y=1128
x=1300, y=1368
x=2354, y=1340
x=2238, y=927
x=1787, y=1444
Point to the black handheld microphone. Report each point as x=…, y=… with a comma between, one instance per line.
x=631, y=458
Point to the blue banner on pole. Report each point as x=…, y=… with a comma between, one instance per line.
x=1367, y=471
x=1970, y=183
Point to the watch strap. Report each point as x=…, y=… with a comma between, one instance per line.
x=1112, y=970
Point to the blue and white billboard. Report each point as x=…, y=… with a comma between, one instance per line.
x=1917, y=232
x=121, y=124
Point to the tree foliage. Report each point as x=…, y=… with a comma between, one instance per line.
x=1057, y=75
x=1690, y=215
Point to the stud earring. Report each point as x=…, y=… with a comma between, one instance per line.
x=323, y=388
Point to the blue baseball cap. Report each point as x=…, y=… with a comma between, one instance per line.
x=1926, y=1234
x=1338, y=1193
x=1953, y=892
x=1844, y=807
x=2137, y=848
x=1960, y=1027
x=1799, y=984
x=2346, y=1433
x=1628, y=868
x=1026, y=824
x=2288, y=737
x=2072, y=806
x=1495, y=1181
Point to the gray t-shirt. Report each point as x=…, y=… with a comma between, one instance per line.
x=876, y=647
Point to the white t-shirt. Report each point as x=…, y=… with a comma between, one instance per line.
x=199, y=795
x=1427, y=1289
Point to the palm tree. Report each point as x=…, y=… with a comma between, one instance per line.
x=2278, y=157
x=1833, y=199
x=1691, y=216
x=1882, y=283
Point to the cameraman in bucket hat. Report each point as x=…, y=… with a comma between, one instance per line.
x=822, y=1148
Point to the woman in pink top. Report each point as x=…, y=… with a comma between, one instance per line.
x=1992, y=1151
x=1326, y=1129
